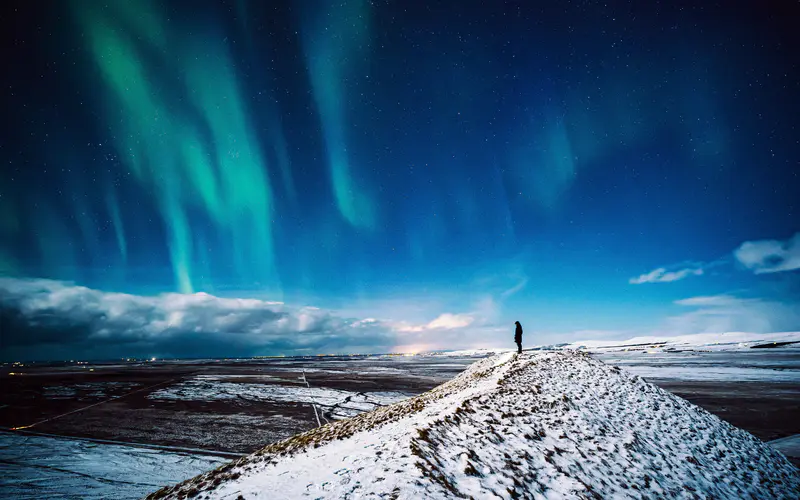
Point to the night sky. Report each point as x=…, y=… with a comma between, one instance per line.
x=393, y=175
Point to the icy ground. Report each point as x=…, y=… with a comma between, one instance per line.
x=758, y=365
x=334, y=403
x=35, y=467
x=729, y=341
x=538, y=425
x=723, y=357
x=789, y=446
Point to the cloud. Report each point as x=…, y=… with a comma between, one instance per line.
x=711, y=301
x=46, y=319
x=770, y=256
x=446, y=321
x=728, y=313
x=449, y=321
x=56, y=320
x=761, y=257
x=661, y=275
x=514, y=289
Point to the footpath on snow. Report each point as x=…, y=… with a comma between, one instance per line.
x=553, y=424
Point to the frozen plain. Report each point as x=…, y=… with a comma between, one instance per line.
x=756, y=389
x=35, y=467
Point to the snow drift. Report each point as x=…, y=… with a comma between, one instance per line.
x=537, y=425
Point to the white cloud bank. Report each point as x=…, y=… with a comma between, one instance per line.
x=770, y=256
x=46, y=319
x=727, y=313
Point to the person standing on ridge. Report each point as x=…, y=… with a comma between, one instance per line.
x=518, y=337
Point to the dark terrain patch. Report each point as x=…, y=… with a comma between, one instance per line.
x=124, y=413
x=110, y=401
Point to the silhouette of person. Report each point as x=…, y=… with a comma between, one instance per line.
x=518, y=337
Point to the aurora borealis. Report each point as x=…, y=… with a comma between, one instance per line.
x=580, y=167
x=166, y=145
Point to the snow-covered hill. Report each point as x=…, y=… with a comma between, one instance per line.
x=553, y=424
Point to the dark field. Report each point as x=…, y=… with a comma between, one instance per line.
x=768, y=411
x=226, y=406
x=239, y=406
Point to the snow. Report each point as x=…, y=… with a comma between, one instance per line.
x=711, y=373
x=88, y=390
x=335, y=403
x=34, y=467
x=706, y=341
x=789, y=446
x=550, y=424
x=757, y=365
x=468, y=353
x=727, y=357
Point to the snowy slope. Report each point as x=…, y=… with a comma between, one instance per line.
x=553, y=424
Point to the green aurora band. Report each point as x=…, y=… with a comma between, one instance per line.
x=335, y=38
x=201, y=158
x=241, y=201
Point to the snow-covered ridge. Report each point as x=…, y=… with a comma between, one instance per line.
x=554, y=424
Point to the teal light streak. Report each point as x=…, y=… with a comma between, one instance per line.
x=116, y=222
x=335, y=38
x=545, y=167
x=9, y=229
x=181, y=127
